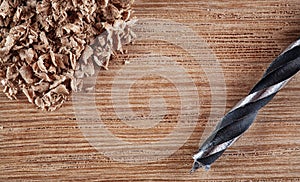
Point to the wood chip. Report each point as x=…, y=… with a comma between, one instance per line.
x=48, y=47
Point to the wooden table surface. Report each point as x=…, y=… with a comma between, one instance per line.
x=244, y=37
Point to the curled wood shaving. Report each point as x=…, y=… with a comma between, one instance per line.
x=48, y=47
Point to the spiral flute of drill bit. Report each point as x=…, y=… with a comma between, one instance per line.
x=242, y=115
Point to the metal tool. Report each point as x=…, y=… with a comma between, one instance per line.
x=241, y=116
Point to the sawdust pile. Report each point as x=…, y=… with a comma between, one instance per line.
x=41, y=42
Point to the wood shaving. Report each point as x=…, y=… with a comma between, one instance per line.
x=42, y=41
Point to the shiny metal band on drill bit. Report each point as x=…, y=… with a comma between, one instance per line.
x=242, y=115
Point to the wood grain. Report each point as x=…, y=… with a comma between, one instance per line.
x=245, y=37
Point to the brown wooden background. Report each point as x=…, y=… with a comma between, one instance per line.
x=245, y=36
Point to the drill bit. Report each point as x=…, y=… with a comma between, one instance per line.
x=242, y=115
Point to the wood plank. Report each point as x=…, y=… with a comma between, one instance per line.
x=244, y=37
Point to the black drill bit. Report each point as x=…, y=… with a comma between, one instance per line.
x=241, y=116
